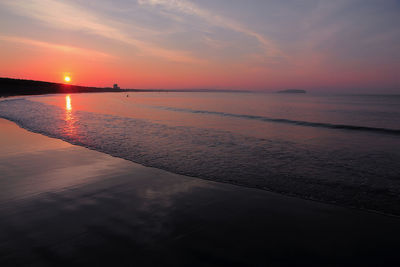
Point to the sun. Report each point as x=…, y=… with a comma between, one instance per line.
x=67, y=79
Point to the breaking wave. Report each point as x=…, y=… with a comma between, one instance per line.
x=293, y=122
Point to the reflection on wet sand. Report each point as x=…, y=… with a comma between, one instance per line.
x=84, y=207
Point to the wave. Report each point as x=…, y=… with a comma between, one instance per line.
x=287, y=121
x=359, y=171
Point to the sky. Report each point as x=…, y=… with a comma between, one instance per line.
x=317, y=45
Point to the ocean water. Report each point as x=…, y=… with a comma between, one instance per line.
x=342, y=149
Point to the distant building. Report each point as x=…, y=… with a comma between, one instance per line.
x=116, y=86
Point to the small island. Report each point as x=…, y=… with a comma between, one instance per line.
x=292, y=91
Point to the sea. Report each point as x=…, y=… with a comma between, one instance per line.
x=340, y=149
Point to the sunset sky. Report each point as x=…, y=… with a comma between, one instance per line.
x=341, y=45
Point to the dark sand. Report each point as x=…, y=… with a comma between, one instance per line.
x=66, y=205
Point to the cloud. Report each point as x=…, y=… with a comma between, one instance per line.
x=63, y=48
x=68, y=16
x=189, y=8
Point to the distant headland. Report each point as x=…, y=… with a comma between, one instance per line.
x=292, y=91
x=15, y=87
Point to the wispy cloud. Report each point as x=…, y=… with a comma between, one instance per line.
x=69, y=16
x=58, y=47
x=189, y=8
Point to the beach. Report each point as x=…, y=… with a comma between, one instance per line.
x=200, y=133
x=67, y=205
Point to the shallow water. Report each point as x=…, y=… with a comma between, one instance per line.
x=342, y=149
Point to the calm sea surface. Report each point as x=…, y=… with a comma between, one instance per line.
x=337, y=149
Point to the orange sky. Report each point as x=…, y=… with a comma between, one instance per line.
x=191, y=44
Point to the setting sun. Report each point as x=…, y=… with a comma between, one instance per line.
x=67, y=79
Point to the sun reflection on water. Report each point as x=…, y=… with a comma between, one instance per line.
x=68, y=105
x=70, y=128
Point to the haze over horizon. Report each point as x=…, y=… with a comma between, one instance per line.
x=323, y=46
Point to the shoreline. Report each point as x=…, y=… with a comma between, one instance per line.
x=283, y=193
x=84, y=202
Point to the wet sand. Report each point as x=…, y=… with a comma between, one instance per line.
x=66, y=205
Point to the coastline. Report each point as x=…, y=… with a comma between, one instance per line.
x=21, y=87
x=86, y=207
x=383, y=202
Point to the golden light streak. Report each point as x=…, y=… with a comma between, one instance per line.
x=68, y=105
